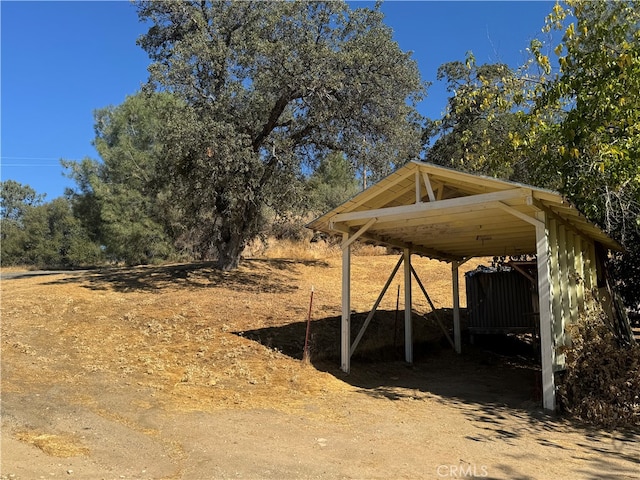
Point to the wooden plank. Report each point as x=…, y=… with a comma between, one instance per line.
x=497, y=226
x=419, y=249
x=573, y=289
x=408, y=333
x=544, y=299
x=472, y=241
x=427, y=183
x=591, y=282
x=457, y=335
x=345, y=357
x=579, y=258
x=359, y=233
x=418, y=193
x=375, y=307
x=411, y=211
x=433, y=308
x=440, y=234
x=556, y=288
x=469, y=218
x=519, y=214
x=375, y=190
x=563, y=275
x=468, y=180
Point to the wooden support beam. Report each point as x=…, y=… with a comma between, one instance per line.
x=408, y=330
x=418, y=189
x=544, y=298
x=391, y=181
x=345, y=338
x=517, y=213
x=456, y=307
x=375, y=306
x=433, y=308
x=427, y=252
x=359, y=233
x=461, y=204
x=427, y=183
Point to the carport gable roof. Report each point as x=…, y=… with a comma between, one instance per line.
x=450, y=215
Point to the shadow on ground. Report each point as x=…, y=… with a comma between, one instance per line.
x=501, y=370
x=493, y=382
x=254, y=275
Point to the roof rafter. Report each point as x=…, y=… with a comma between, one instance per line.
x=443, y=207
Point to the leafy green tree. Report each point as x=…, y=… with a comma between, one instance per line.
x=481, y=120
x=16, y=198
x=332, y=183
x=592, y=148
x=270, y=86
x=47, y=235
x=573, y=125
x=122, y=200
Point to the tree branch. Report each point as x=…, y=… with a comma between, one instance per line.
x=274, y=115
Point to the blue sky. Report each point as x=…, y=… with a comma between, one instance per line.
x=60, y=61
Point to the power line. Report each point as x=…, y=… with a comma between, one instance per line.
x=30, y=158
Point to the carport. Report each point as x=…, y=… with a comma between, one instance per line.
x=451, y=216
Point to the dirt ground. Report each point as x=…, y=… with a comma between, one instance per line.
x=183, y=372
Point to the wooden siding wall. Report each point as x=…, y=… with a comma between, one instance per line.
x=573, y=274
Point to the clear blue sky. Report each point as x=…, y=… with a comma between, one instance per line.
x=63, y=60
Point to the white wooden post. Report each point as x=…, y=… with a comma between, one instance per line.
x=544, y=296
x=345, y=343
x=408, y=334
x=456, y=307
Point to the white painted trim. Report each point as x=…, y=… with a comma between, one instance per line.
x=544, y=298
x=427, y=183
x=456, y=307
x=418, y=209
x=345, y=337
x=517, y=213
x=358, y=234
x=408, y=333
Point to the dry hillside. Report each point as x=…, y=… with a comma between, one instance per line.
x=182, y=371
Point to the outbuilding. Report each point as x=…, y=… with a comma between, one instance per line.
x=444, y=214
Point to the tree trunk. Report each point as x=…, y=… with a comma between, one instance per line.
x=229, y=251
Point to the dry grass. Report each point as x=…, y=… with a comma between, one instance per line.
x=182, y=330
x=61, y=446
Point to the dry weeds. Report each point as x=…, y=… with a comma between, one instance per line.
x=61, y=446
x=179, y=328
x=121, y=345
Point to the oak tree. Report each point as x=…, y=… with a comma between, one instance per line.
x=270, y=87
